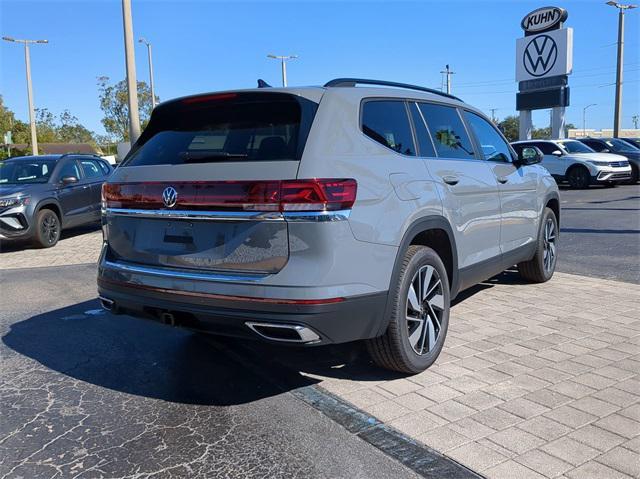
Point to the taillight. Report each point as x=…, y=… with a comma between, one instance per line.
x=317, y=195
x=271, y=195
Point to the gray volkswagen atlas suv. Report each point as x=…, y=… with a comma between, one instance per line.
x=42, y=195
x=319, y=215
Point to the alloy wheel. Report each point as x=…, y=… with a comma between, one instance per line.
x=549, y=256
x=50, y=228
x=425, y=307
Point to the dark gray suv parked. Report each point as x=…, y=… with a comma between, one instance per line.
x=619, y=147
x=41, y=195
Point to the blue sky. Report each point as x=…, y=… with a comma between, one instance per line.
x=207, y=46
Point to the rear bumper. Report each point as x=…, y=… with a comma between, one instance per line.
x=350, y=319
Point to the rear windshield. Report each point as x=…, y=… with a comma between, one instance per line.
x=225, y=127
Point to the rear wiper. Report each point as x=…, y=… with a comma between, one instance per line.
x=195, y=157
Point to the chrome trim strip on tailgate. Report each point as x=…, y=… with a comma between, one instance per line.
x=318, y=216
x=181, y=274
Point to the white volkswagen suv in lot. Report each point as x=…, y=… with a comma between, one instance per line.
x=322, y=215
x=579, y=165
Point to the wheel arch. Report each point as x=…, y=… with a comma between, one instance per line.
x=50, y=204
x=552, y=200
x=436, y=233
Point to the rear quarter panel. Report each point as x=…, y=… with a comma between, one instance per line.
x=337, y=148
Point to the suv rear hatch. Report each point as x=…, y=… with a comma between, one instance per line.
x=201, y=189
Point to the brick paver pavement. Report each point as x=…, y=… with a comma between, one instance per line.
x=534, y=381
x=78, y=248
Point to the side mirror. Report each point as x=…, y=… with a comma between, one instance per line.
x=556, y=153
x=68, y=180
x=529, y=155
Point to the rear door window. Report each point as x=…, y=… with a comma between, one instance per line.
x=91, y=169
x=448, y=132
x=225, y=127
x=387, y=122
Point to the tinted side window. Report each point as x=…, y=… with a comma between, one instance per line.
x=493, y=147
x=547, y=148
x=519, y=147
x=69, y=169
x=105, y=168
x=596, y=145
x=422, y=134
x=447, y=130
x=387, y=123
x=91, y=169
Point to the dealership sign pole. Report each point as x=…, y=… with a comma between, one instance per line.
x=544, y=61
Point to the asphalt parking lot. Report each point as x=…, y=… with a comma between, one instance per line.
x=534, y=381
x=600, y=230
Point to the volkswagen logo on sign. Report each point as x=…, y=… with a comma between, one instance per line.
x=169, y=196
x=540, y=55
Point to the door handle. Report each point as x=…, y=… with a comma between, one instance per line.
x=450, y=180
x=502, y=179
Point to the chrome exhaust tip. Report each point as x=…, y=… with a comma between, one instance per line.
x=107, y=303
x=288, y=333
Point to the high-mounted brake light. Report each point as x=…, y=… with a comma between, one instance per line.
x=206, y=98
x=270, y=195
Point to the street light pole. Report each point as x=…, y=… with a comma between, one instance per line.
x=283, y=59
x=132, y=84
x=153, y=94
x=617, y=119
x=584, y=119
x=32, y=116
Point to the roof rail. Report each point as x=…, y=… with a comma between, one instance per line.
x=351, y=82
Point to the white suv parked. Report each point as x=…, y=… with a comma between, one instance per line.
x=579, y=165
x=322, y=215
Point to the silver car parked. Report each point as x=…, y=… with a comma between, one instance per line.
x=310, y=216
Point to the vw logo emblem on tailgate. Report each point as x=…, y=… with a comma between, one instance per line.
x=169, y=196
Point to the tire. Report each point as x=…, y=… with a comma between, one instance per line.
x=413, y=339
x=48, y=228
x=578, y=177
x=634, y=175
x=541, y=267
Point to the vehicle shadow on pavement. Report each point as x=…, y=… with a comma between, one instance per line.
x=140, y=357
x=21, y=245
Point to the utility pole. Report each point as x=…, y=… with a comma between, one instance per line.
x=617, y=118
x=153, y=94
x=447, y=72
x=283, y=59
x=132, y=84
x=493, y=114
x=27, y=61
x=584, y=119
x=634, y=119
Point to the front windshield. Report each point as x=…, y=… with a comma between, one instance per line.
x=22, y=172
x=619, y=145
x=576, y=147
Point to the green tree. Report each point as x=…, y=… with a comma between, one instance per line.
x=114, y=103
x=70, y=130
x=510, y=127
